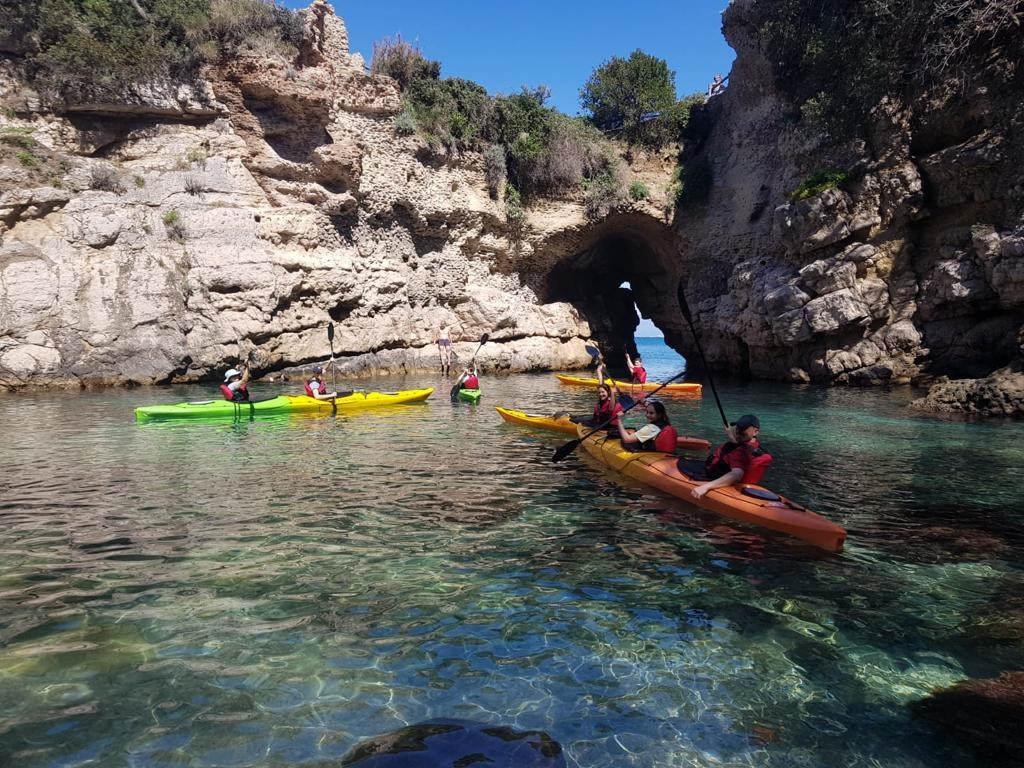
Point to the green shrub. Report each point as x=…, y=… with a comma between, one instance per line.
x=26, y=158
x=862, y=52
x=818, y=182
x=494, y=168
x=403, y=61
x=405, y=122
x=140, y=182
x=515, y=214
x=639, y=191
x=622, y=95
x=84, y=50
x=450, y=110
x=17, y=137
x=105, y=178
x=174, y=225
x=602, y=194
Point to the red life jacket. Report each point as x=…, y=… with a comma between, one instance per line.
x=758, y=463
x=666, y=439
x=321, y=390
x=639, y=374
x=471, y=383
x=239, y=395
x=604, y=410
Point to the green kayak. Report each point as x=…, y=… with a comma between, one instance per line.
x=470, y=395
x=225, y=409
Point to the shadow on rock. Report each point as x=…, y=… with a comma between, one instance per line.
x=446, y=743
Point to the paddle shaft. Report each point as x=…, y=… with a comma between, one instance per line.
x=334, y=372
x=684, y=307
x=572, y=445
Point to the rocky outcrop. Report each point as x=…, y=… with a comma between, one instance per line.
x=1001, y=394
x=911, y=266
x=163, y=240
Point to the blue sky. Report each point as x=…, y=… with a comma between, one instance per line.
x=505, y=45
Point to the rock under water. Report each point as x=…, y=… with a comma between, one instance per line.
x=444, y=743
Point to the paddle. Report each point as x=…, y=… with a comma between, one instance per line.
x=334, y=373
x=684, y=307
x=454, y=394
x=572, y=445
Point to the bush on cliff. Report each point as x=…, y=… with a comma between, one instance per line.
x=83, y=50
x=402, y=60
x=635, y=98
x=837, y=58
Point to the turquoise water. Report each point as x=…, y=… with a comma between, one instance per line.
x=271, y=593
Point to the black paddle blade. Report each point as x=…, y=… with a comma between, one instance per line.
x=455, y=393
x=626, y=401
x=484, y=338
x=592, y=350
x=330, y=331
x=565, y=450
x=683, y=306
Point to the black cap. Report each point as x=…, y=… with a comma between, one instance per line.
x=750, y=420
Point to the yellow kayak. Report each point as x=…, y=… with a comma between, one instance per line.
x=562, y=423
x=627, y=386
x=207, y=409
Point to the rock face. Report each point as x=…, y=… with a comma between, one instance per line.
x=912, y=266
x=179, y=231
x=1001, y=394
x=174, y=234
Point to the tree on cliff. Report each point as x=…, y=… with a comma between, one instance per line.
x=632, y=96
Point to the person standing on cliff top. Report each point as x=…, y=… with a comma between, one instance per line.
x=444, y=348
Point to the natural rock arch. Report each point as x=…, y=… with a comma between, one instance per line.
x=586, y=266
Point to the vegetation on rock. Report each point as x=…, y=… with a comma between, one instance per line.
x=838, y=58
x=636, y=98
x=81, y=50
x=818, y=182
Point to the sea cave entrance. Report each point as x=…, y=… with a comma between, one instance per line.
x=630, y=265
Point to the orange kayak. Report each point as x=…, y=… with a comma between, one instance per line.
x=562, y=424
x=746, y=503
x=685, y=388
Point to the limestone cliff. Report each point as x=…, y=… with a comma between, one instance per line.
x=184, y=228
x=912, y=268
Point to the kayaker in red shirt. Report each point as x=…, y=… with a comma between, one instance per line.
x=657, y=435
x=316, y=386
x=235, y=384
x=742, y=457
x=636, y=367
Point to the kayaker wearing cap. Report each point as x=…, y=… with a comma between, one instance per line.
x=657, y=435
x=235, y=384
x=741, y=459
x=316, y=386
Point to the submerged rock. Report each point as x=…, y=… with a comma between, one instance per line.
x=444, y=743
x=984, y=714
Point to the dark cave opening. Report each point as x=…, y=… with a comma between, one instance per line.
x=593, y=279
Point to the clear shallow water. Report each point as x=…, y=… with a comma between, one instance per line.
x=271, y=593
